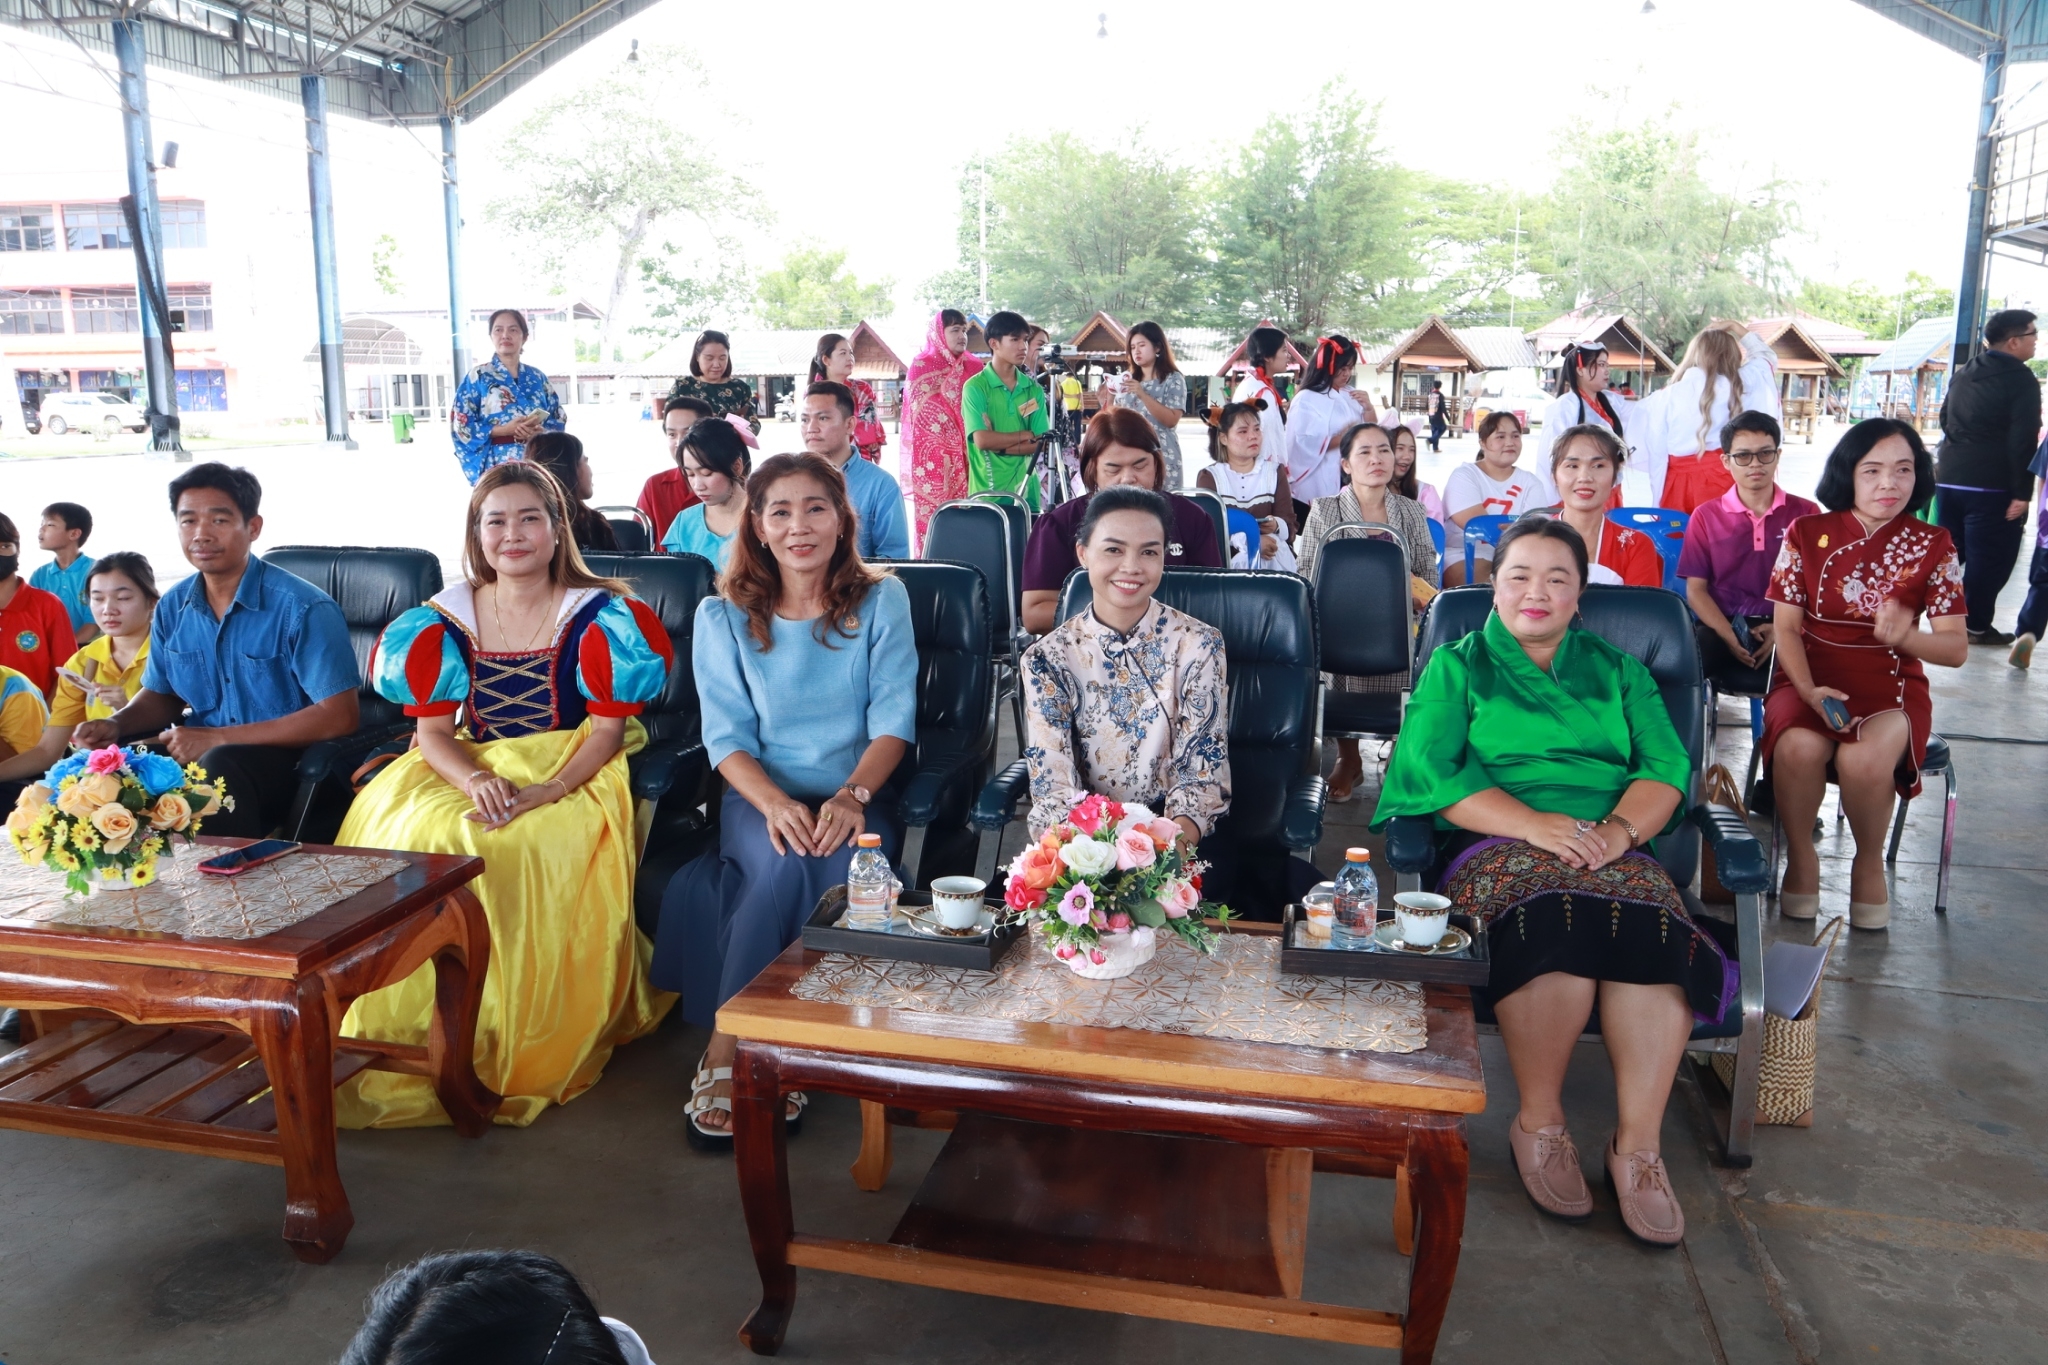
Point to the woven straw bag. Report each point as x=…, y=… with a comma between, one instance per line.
x=1784, y=1087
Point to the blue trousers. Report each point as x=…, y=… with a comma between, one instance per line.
x=1986, y=542
x=2034, y=611
x=731, y=912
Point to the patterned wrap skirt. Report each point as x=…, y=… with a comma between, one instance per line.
x=1623, y=922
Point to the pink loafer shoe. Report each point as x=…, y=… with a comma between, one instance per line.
x=1649, y=1207
x=1548, y=1163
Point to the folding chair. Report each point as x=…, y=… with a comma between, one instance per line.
x=1665, y=528
x=1482, y=531
x=632, y=528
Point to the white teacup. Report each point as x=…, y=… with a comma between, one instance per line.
x=1422, y=917
x=957, y=901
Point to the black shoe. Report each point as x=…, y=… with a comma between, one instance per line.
x=1992, y=636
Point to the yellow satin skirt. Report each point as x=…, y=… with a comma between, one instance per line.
x=568, y=975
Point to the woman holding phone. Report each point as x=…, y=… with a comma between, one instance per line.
x=1850, y=691
x=1156, y=390
x=99, y=679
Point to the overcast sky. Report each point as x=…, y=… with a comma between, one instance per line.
x=857, y=118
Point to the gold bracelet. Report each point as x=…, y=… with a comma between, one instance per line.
x=1635, y=840
x=556, y=781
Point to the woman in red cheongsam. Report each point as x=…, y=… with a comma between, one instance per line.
x=1850, y=586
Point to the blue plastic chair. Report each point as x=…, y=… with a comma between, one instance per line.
x=1482, y=531
x=1436, y=538
x=1665, y=528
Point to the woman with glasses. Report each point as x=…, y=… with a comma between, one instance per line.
x=1730, y=545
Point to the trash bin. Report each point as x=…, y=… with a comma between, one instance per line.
x=401, y=428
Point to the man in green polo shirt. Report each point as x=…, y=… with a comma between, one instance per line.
x=1005, y=413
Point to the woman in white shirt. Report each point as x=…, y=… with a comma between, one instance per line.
x=1583, y=398
x=1323, y=411
x=1245, y=477
x=1719, y=377
x=1492, y=485
x=1261, y=349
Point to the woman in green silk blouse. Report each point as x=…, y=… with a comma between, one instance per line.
x=1552, y=751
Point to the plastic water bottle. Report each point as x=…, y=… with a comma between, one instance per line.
x=870, y=886
x=1358, y=901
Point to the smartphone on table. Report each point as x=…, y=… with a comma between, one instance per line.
x=236, y=861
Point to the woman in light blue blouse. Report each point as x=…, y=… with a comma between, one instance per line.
x=503, y=403
x=807, y=676
x=716, y=463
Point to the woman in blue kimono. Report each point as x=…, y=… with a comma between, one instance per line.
x=502, y=404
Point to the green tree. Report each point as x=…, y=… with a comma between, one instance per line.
x=1310, y=227
x=813, y=288
x=384, y=264
x=605, y=163
x=1120, y=241
x=1471, y=246
x=685, y=293
x=1635, y=227
x=1864, y=306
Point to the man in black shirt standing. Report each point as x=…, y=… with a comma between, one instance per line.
x=1990, y=424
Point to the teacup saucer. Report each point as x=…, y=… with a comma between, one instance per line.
x=1455, y=941
x=928, y=924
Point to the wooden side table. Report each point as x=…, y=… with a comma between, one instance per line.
x=1010, y=1210
x=231, y=1045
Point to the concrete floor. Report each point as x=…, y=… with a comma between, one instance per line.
x=1910, y=1223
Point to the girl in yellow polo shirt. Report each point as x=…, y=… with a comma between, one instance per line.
x=96, y=681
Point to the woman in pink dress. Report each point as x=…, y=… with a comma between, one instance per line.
x=934, y=438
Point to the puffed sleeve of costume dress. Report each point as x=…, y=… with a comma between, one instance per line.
x=419, y=663
x=624, y=658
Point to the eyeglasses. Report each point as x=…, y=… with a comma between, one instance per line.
x=1746, y=458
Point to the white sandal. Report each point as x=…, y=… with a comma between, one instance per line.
x=703, y=1101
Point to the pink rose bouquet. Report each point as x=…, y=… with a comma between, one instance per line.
x=1109, y=868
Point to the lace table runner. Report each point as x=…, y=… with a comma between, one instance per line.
x=186, y=903
x=1239, y=993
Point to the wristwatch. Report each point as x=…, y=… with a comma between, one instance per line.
x=859, y=794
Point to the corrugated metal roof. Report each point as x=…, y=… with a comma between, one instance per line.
x=1927, y=340
x=1498, y=348
x=1199, y=350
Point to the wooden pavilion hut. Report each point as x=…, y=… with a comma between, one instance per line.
x=1804, y=369
x=1909, y=378
x=877, y=363
x=1433, y=352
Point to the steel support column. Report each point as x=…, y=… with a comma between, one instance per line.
x=451, y=208
x=1976, y=253
x=146, y=229
x=326, y=288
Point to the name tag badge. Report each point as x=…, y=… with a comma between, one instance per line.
x=1027, y=407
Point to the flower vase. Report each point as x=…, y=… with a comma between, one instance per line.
x=99, y=885
x=1122, y=953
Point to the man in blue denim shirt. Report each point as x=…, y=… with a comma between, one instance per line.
x=260, y=656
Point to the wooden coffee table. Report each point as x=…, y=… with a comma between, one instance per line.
x=1085, y=1169
x=230, y=1045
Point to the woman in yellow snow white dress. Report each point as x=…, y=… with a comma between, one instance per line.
x=525, y=680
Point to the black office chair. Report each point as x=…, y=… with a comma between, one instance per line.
x=1212, y=503
x=1654, y=626
x=956, y=718
x=990, y=536
x=632, y=528
x=671, y=771
x=1365, y=620
x=372, y=586
x=1269, y=643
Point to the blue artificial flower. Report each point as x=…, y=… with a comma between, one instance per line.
x=66, y=767
x=157, y=773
